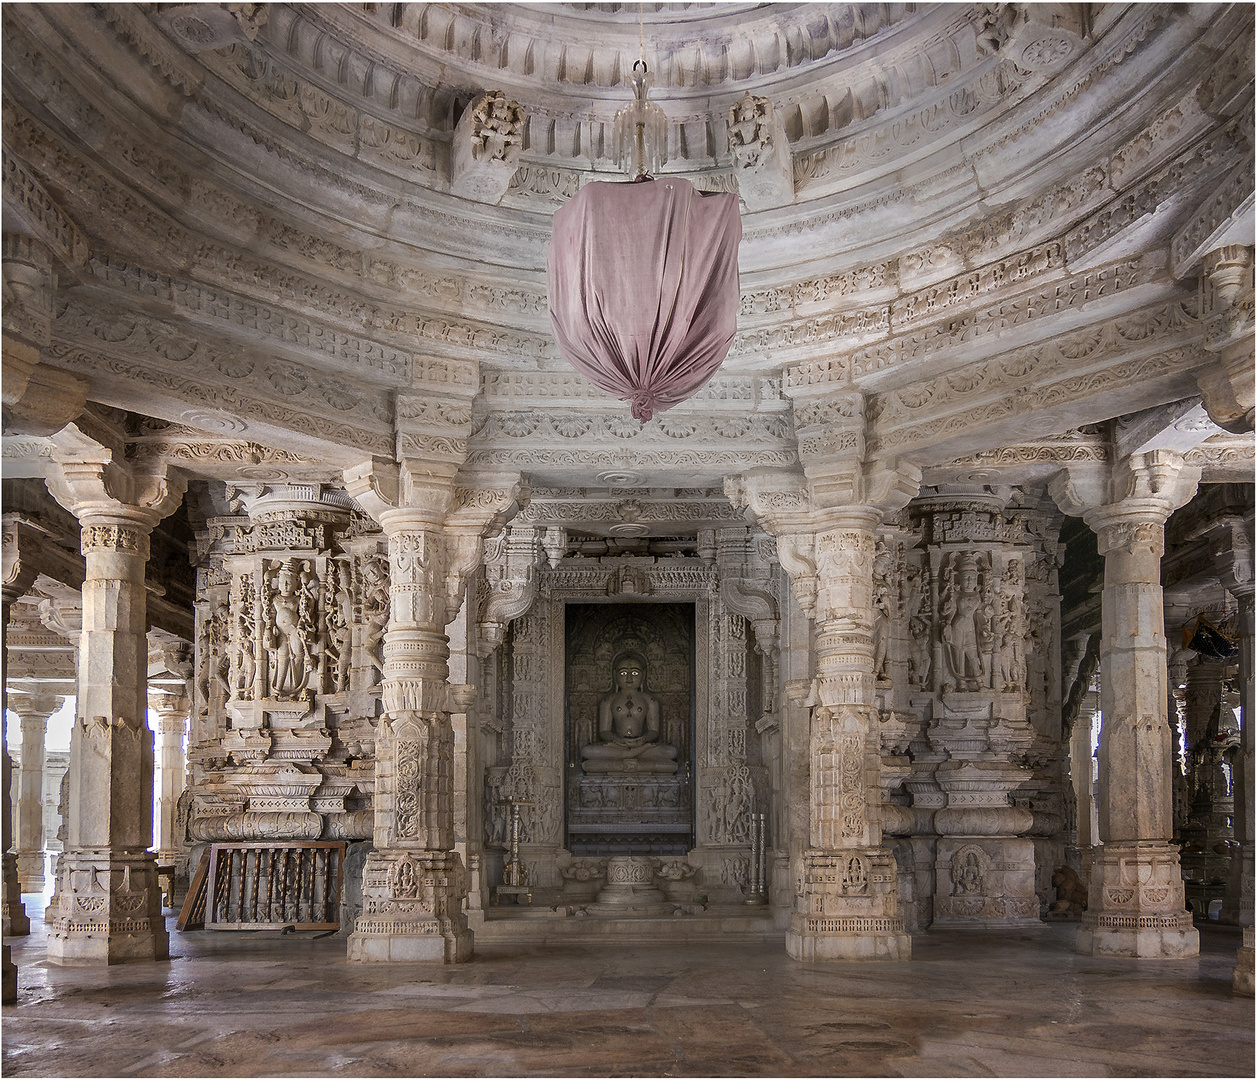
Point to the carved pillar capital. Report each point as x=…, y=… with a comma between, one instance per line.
x=35, y=708
x=125, y=499
x=1139, y=487
x=172, y=713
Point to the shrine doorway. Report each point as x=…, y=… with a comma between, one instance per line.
x=634, y=805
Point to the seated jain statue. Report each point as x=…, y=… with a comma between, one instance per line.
x=628, y=726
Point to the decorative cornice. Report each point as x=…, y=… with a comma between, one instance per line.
x=1015, y=403
x=1024, y=370
x=99, y=342
x=27, y=199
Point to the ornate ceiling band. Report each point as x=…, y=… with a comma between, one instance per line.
x=28, y=200
x=1098, y=345
x=210, y=404
x=1077, y=390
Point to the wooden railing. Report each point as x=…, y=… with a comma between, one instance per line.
x=266, y=887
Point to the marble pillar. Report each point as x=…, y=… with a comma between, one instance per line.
x=63, y=615
x=1082, y=778
x=108, y=905
x=34, y=711
x=16, y=577
x=12, y=897
x=848, y=905
x=172, y=718
x=414, y=882
x=1237, y=906
x=1202, y=694
x=1176, y=712
x=825, y=520
x=1136, y=903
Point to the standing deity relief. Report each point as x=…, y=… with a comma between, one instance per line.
x=965, y=614
x=292, y=602
x=291, y=639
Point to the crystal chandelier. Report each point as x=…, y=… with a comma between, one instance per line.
x=640, y=131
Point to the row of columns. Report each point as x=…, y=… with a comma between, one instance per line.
x=34, y=712
x=107, y=907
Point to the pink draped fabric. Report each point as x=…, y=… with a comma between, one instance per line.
x=643, y=284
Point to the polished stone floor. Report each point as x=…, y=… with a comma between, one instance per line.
x=1009, y=1003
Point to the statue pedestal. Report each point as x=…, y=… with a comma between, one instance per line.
x=620, y=813
x=630, y=889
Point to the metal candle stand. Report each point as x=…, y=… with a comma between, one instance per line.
x=514, y=872
x=758, y=894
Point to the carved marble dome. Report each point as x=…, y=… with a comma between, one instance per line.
x=990, y=224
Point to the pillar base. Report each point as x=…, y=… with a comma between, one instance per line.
x=8, y=989
x=412, y=910
x=12, y=912
x=1136, y=906
x=107, y=910
x=820, y=939
x=1242, y=976
x=848, y=909
x=1237, y=906
x=985, y=881
x=30, y=871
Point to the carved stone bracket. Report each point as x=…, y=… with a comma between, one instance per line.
x=38, y=399
x=761, y=154
x=1226, y=302
x=510, y=561
x=487, y=141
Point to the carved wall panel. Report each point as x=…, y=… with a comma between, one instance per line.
x=978, y=626
x=292, y=602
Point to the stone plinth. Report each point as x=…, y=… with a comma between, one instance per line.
x=107, y=910
x=1136, y=905
x=630, y=889
x=985, y=881
x=852, y=903
x=411, y=910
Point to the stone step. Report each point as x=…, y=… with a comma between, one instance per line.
x=542, y=925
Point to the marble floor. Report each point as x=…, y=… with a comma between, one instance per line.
x=1009, y=1003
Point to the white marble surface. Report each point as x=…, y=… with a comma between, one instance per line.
x=1004, y=1003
